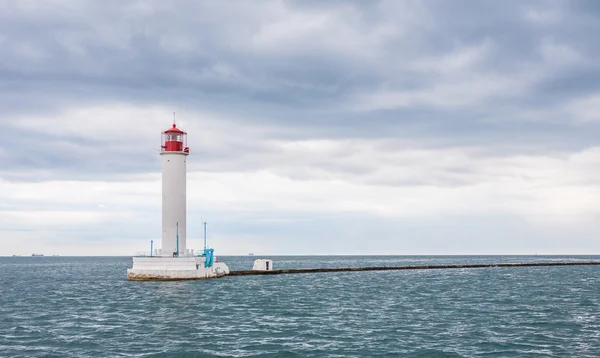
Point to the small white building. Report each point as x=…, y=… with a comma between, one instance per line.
x=263, y=265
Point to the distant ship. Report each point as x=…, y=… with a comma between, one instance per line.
x=251, y=254
x=37, y=254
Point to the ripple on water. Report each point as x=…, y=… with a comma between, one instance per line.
x=73, y=307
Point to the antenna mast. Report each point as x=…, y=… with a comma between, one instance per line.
x=205, y=236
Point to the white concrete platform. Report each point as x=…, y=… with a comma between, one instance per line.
x=157, y=268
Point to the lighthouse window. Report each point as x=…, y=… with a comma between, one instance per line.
x=174, y=137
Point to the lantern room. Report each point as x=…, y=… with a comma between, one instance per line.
x=174, y=140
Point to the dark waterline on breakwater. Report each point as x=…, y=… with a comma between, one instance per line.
x=399, y=268
x=72, y=307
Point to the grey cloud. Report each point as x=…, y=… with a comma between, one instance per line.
x=205, y=57
x=461, y=93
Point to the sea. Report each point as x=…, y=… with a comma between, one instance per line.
x=85, y=307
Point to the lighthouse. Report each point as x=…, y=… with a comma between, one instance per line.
x=174, y=261
x=174, y=152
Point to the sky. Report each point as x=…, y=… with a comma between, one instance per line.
x=315, y=127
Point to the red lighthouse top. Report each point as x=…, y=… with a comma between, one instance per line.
x=174, y=140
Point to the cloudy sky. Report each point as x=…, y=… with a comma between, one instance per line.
x=338, y=127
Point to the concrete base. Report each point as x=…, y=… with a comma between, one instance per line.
x=174, y=268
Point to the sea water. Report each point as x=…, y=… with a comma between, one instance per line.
x=85, y=307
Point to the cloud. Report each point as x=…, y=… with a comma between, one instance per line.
x=425, y=125
x=585, y=108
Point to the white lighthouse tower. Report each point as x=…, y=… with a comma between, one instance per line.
x=174, y=152
x=174, y=261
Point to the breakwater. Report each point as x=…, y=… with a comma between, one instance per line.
x=414, y=267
